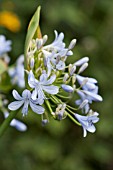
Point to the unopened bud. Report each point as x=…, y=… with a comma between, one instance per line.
x=67, y=88
x=44, y=122
x=32, y=63
x=45, y=37
x=72, y=70
x=72, y=44
x=73, y=79
x=82, y=68
x=81, y=61
x=66, y=76
x=83, y=104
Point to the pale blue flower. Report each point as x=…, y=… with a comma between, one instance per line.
x=16, y=123
x=17, y=72
x=25, y=100
x=42, y=85
x=5, y=45
x=87, y=122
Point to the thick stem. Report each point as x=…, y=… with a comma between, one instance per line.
x=6, y=122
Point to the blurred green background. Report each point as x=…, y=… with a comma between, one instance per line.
x=60, y=145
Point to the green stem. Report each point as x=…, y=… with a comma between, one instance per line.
x=48, y=105
x=74, y=120
x=6, y=122
x=64, y=97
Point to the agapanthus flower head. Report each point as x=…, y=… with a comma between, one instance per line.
x=51, y=84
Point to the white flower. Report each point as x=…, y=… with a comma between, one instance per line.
x=44, y=84
x=16, y=123
x=5, y=46
x=17, y=72
x=87, y=122
x=25, y=100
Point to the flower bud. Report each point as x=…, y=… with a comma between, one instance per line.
x=45, y=37
x=67, y=88
x=82, y=68
x=32, y=63
x=72, y=44
x=66, y=76
x=81, y=61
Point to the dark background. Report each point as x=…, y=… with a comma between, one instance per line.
x=60, y=145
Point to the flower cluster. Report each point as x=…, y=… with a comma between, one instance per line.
x=51, y=84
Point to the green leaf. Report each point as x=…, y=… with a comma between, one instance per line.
x=3, y=66
x=32, y=29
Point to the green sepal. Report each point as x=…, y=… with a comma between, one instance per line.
x=32, y=29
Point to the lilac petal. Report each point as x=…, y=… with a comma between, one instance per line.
x=34, y=94
x=51, y=80
x=15, y=105
x=41, y=96
x=91, y=128
x=31, y=79
x=36, y=108
x=81, y=79
x=18, y=125
x=43, y=78
x=51, y=89
x=94, y=96
x=78, y=102
x=84, y=132
x=26, y=94
x=25, y=107
x=60, y=65
x=16, y=95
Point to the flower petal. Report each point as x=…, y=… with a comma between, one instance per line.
x=26, y=94
x=16, y=95
x=91, y=128
x=94, y=96
x=60, y=65
x=34, y=94
x=36, y=108
x=31, y=79
x=51, y=89
x=51, y=80
x=15, y=105
x=25, y=108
